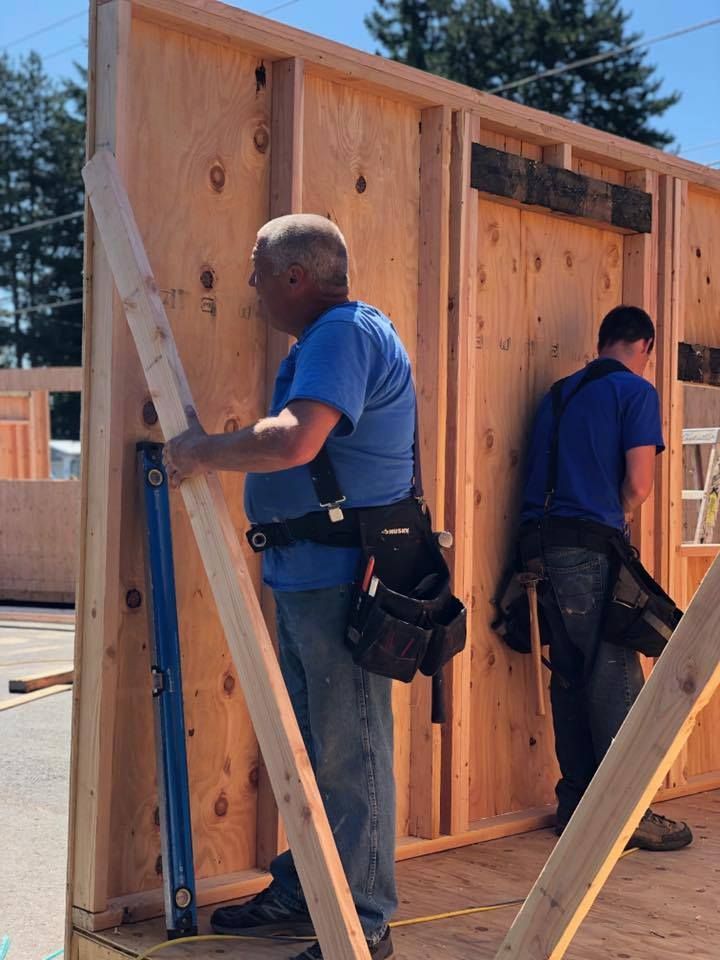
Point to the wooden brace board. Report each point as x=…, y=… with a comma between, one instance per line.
x=316, y=857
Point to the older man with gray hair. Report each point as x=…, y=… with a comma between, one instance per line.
x=344, y=392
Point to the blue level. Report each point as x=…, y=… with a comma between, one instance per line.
x=172, y=775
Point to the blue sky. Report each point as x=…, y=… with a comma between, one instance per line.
x=689, y=64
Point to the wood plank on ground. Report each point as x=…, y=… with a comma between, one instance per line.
x=657, y=727
x=39, y=681
x=22, y=698
x=316, y=858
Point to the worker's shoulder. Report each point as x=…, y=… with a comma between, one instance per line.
x=360, y=318
x=630, y=384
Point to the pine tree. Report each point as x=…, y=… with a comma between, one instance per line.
x=42, y=136
x=486, y=43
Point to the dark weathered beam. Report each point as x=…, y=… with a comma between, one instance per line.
x=699, y=364
x=563, y=191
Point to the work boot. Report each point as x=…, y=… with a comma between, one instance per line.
x=266, y=915
x=658, y=833
x=382, y=950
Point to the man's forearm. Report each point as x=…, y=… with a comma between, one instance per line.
x=263, y=448
x=631, y=499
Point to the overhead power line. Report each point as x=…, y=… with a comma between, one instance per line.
x=50, y=305
x=40, y=223
x=56, y=53
x=701, y=146
x=45, y=29
x=599, y=57
x=280, y=6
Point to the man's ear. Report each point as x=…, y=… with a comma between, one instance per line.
x=295, y=274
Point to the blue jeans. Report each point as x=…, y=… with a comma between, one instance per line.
x=596, y=682
x=345, y=717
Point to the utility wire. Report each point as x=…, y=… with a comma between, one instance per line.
x=280, y=6
x=40, y=223
x=616, y=52
x=52, y=304
x=80, y=43
x=45, y=29
x=700, y=146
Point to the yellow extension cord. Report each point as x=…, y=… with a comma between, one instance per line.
x=450, y=915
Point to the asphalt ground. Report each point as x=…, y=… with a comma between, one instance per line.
x=34, y=777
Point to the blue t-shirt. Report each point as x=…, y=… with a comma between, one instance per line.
x=608, y=417
x=351, y=359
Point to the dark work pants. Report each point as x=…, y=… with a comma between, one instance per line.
x=604, y=679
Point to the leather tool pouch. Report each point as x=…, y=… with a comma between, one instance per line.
x=639, y=614
x=406, y=618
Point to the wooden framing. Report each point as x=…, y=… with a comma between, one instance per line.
x=51, y=379
x=24, y=434
x=493, y=302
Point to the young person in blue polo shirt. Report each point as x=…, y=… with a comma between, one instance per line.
x=347, y=384
x=608, y=437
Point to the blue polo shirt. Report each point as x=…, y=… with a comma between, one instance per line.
x=608, y=417
x=351, y=359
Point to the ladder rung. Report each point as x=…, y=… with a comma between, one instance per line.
x=693, y=494
x=701, y=435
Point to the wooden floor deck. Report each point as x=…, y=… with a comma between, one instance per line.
x=654, y=906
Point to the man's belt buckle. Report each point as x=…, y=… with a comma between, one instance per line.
x=334, y=512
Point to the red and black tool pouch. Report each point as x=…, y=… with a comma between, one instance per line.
x=407, y=618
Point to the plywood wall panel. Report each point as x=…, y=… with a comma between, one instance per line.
x=199, y=186
x=543, y=286
x=362, y=156
x=702, y=287
x=39, y=530
x=511, y=758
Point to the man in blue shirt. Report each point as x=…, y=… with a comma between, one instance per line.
x=347, y=385
x=593, y=477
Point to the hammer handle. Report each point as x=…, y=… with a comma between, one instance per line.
x=536, y=649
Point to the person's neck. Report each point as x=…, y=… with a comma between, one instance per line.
x=622, y=355
x=315, y=309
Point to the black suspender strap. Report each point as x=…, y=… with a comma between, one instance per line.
x=417, y=483
x=325, y=481
x=595, y=371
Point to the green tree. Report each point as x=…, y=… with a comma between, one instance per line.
x=486, y=43
x=42, y=124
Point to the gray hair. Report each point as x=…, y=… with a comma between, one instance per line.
x=311, y=241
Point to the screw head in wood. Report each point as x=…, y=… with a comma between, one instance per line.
x=149, y=413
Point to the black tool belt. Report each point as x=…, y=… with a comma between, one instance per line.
x=316, y=526
x=404, y=617
x=638, y=613
x=536, y=536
